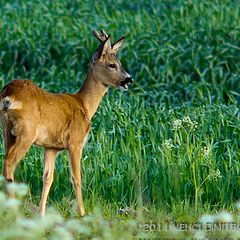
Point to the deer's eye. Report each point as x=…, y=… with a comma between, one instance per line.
x=112, y=65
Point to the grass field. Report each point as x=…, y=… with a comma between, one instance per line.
x=168, y=147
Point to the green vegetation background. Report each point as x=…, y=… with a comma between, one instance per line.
x=173, y=139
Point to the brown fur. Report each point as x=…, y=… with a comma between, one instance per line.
x=56, y=121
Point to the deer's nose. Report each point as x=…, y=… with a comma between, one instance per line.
x=127, y=80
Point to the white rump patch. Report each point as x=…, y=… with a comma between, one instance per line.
x=13, y=104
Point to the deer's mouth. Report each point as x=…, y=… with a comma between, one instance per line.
x=125, y=83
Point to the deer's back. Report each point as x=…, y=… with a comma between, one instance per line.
x=54, y=116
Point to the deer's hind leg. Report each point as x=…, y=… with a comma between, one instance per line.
x=8, y=138
x=17, y=139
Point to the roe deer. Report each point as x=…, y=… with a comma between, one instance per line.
x=31, y=115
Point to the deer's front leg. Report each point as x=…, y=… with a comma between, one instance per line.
x=49, y=163
x=75, y=153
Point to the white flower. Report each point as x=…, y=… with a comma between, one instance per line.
x=75, y=226
x=12, y=187
x=206, y=218
x=187, y=120
x=194, y=125
x=168, y=144
x=216, y=175
x=51, y=218
x=206, y=151
x=22, y=189
x=224, y=217
x=12, y=203
x=62, y=233
x=19, y=189
x=177, y=124
x=200, y=234
x=191, y=123
x=88, y=219
x=28, y=223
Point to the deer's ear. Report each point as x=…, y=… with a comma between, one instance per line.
x=106, y=47
x=102, y=50
x=117, y=44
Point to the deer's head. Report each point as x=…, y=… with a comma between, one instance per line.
x=106, y=66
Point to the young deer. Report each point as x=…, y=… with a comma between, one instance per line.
x=31, y=115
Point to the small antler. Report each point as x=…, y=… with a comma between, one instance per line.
x=102, y=36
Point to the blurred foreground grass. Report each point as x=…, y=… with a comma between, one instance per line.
x=97, y=226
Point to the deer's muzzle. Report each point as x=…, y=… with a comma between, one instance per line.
x=126, y=82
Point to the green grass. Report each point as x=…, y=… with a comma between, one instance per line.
x=184, y=57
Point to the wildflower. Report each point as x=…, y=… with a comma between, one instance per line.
x=62, y=233
x=206, y=152
x=12, y=188
x=207, y=219
x=216, y=175
x=12, y=204
x=51, y=218
x=73, y=226
x=194, y=125
x=18, y=189
x=190, y=123
x=28, y=223
x=187, y=120
x=168, y=144
x=22, y=190
x=224, y=217
x=200, y=234
x=177, y=124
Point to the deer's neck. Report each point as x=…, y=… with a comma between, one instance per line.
x=91, y=94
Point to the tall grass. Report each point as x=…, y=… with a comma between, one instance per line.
x=174, y=136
